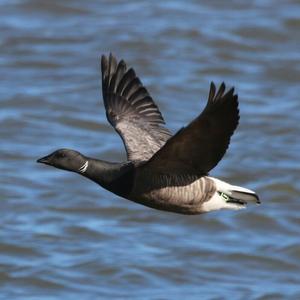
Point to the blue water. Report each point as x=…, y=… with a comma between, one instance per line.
x=63, y=237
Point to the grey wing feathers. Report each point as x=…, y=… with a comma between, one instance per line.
x=131, y=110
x=197, y=148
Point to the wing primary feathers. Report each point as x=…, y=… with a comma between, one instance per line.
x=131, y=110
x=212, y=92
x=105, y=78
x=220, y=91
x=112, y=66
x=131, y=88
x=138, y=95
x=198, y=147
x=127, y=78
x=117, y=76
x=229, y=95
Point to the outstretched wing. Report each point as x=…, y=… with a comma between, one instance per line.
x=131, y=110
x=197, y=148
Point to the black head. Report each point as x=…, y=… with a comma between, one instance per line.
x=65, y=159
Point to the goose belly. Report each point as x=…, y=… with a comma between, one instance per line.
x=181, y=194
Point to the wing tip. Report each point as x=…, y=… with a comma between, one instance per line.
x=108, y=58
x=216, y=95
x=212, y=91
x=104, y=65
x=122, y=89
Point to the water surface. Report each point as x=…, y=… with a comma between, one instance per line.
x=63, y=237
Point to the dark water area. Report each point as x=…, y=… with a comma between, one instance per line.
x=63, y=237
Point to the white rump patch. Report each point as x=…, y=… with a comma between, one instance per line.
x=84, y=167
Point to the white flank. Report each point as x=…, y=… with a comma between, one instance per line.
x=83, y=168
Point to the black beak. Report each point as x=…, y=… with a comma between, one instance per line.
x=44, y=160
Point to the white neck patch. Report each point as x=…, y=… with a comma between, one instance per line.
x=84, y=167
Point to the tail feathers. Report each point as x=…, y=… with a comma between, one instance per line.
x=237, y=194
x=244, y=194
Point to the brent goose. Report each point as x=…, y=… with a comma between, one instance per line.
x=162, y=171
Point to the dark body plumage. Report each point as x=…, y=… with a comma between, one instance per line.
x=163, y=171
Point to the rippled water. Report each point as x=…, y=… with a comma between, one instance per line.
x=63, y=237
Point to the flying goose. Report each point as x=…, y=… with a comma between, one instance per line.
x=162, y=171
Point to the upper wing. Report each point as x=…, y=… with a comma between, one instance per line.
x=131, y=110
x=197, y=148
